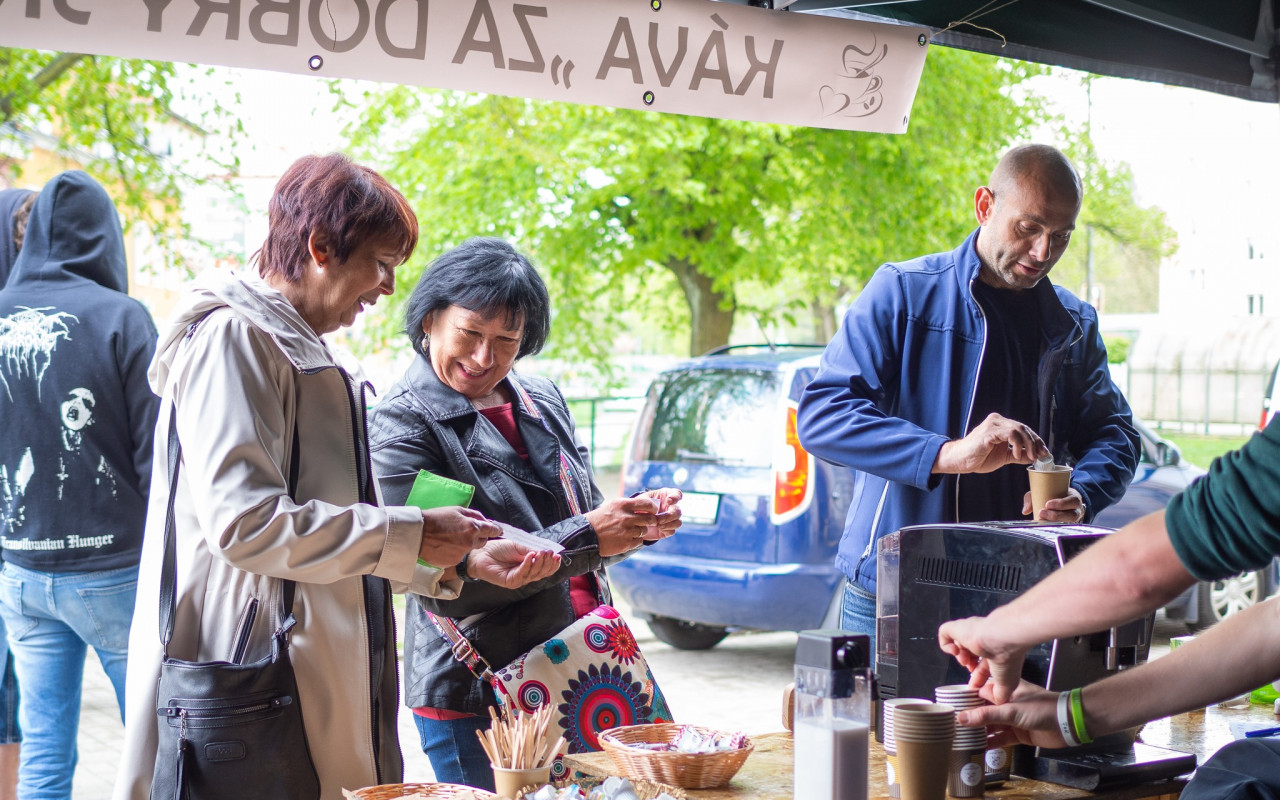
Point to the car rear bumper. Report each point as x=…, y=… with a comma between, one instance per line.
x=733, y=594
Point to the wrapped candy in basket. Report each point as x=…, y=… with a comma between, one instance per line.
x=688, y=756
x=612, y=788
x=419, y=791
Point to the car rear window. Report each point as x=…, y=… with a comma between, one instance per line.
x=717, y=416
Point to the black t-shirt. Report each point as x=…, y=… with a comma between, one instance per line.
x=1006, y=386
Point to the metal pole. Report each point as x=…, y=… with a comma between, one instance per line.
x=1088, y=265
x=1208, y=379
x=1235, y=400
x=1181, y=418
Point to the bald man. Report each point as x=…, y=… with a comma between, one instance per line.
x=954, y=371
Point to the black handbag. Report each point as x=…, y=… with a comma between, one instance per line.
x=229, y=729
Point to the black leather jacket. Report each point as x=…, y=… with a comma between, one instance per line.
x=424, y=424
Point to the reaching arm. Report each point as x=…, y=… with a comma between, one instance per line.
x=996, y=442
x=1122, y=577
x=1228, y=660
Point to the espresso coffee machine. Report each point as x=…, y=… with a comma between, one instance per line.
x=928, y=574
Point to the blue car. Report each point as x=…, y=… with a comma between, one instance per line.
x=763, y=517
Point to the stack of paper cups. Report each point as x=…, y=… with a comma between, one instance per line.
x=891, y=745
x=922, y=735
x=967, y=777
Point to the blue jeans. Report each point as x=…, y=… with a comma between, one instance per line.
x=52, y=617
x=455, y=752
x=10, y=732
x=858, y=613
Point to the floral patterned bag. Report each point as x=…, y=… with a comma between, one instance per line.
x=592, y=673
x=594, y=676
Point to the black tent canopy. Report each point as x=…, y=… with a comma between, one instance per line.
x=1224, y=46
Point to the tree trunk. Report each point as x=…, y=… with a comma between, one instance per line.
x=711, y=323
x=824, y=320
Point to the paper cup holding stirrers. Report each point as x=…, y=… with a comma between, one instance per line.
x=519, y=749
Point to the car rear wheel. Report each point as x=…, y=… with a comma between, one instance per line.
x=1220, y=599
x=684, y=635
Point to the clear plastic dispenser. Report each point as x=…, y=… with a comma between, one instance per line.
x=833, y=700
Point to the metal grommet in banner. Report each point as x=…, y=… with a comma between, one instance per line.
x=648, y=98
x=922, y=40
x=656, y=5
x=315, y=63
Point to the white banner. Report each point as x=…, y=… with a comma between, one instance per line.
x=682, y=56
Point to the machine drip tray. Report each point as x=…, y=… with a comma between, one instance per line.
x=1093, y=770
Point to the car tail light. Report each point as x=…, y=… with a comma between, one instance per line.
x=792, y=472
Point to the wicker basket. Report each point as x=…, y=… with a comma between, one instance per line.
x=434, y=791
x=645, y=790
x=686, y=770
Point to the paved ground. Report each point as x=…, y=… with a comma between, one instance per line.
x=101, y=736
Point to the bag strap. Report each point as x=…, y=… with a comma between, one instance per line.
x=462, y=649
x=169, y=561
x=568, y=481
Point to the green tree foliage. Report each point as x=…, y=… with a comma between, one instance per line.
x=1117, y=345
x=103, y=114
x=687, y=221
x=626, y=210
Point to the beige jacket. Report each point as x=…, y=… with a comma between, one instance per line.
x=242, y=367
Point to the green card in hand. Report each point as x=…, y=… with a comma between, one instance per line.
x=434, y=491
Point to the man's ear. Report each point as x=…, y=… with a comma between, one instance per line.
x=984, y=203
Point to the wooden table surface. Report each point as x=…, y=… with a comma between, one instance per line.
x=767, y=773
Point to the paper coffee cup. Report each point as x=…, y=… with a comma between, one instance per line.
x=968, y=774
x=1047, y=485
x=998, y=761
x=923, y=768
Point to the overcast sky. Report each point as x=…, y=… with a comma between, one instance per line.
x=1211, y=162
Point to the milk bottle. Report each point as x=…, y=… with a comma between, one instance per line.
x=833, y=715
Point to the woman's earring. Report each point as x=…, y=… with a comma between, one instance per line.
x=426, y=343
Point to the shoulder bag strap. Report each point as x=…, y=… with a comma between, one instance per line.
x=568, y=482
x=169, y=562
x=461, y=648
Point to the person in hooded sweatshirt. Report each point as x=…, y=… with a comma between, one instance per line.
x=15, y=210
x=75, y=465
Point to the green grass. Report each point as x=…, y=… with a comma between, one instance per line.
x=1200, y=450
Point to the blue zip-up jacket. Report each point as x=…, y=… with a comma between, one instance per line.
x=898, y=381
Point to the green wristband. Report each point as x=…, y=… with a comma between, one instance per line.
x=423, y=563
x=1077, y=716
